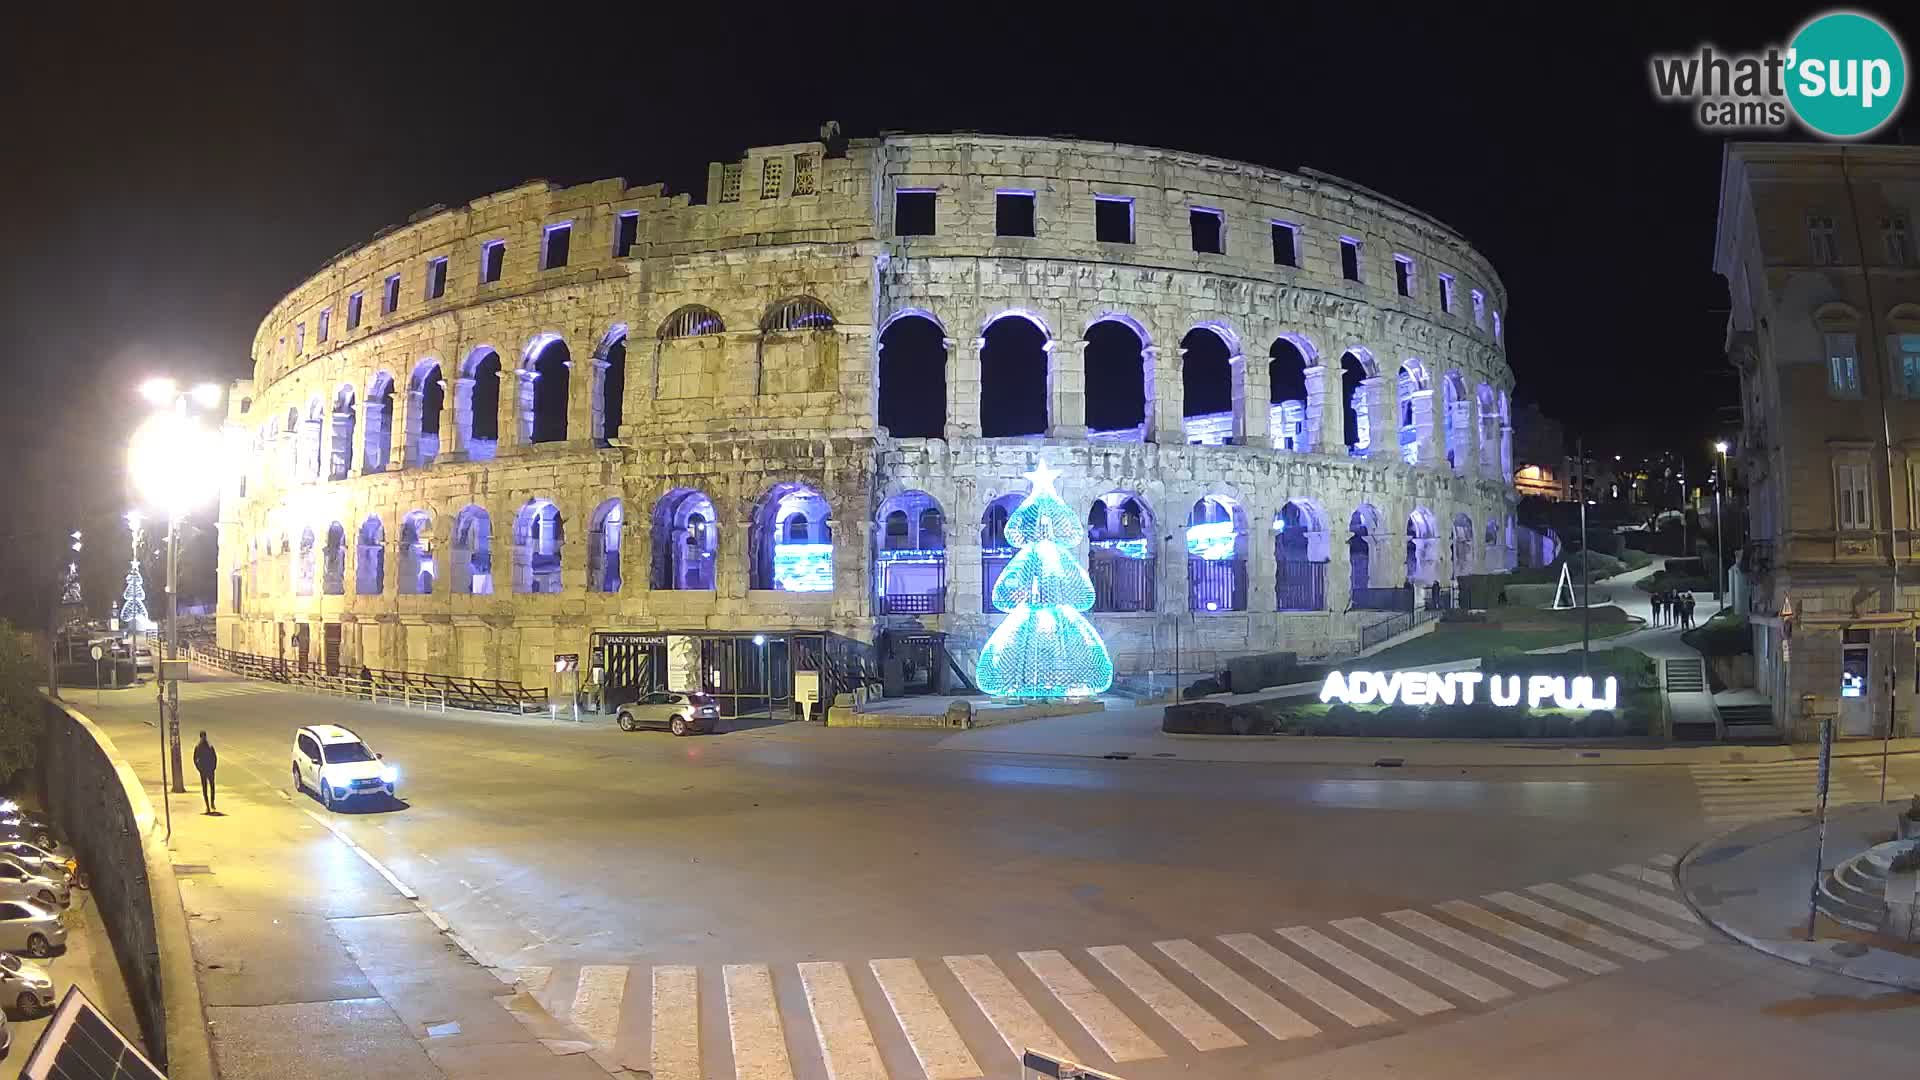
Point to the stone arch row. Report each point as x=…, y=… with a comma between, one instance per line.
x=1407, y=412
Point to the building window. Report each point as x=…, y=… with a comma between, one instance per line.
x=1013, y=213
x=803, y=174
x=554, y=247
x=1496, y=326
x=1113, y=219
x=1479, y=306
x=773, y=176
x=1908, y=357
x=1209, y=228
x=390, y=301
x=299, y=338
x=353, y=310
x=493, y=258
x=1446, y=293
x=1853, y=490
x=1403, y=275
x=913, y=213
x=1286, y=244
x=626, y=233
x=730, y=182
x=436, y=278
x=321, y=331
x=1350, y=258
x=1822, y=248
x=1843, y=366
x=1894, y=229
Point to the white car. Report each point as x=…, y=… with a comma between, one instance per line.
x=19, y=883
x=25, y=985
x=30, y=928
x=38, y=860
x=337, y=765
x=682, y=714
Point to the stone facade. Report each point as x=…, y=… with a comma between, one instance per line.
x=741, y=340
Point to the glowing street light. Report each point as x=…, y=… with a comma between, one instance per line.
x=1719, y=533
x=766, y=672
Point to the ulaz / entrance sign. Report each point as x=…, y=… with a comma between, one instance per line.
x=1459, y=687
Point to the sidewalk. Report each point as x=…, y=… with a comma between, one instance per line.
x=1754, y=884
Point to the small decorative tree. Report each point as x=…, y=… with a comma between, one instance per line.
x=133, y=602
x=1045, y=648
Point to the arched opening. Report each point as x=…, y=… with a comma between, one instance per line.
x=1490, y=561
x=476, y=404
x=792, y=541
x=1462, y=546
x=1288, y=397
x=796, y=343
x=472, y=560
x=686, y=536
x=603, y=547
x=1423, y=563
x=537, y=542
x=1216, y=555
x=1453, y=393
x=1363, y=528
x=428, y=396
x=1123, y=558
x=1119, y=379
x=1358, y=427
x=1489, y=432
x=333, y=573
x=1416, y=409
x=610, y=388
x=1206, y=378
x=416, y=556
x=1300, y=555
x=377, y=442
x=687, y=346
x=340, y=438
x=913, y=378
x=311, y=431
x=995, y=550
x=303, y=565
x=910, y=569
x=370, y=558
x=1014, y=378
x=543, y=391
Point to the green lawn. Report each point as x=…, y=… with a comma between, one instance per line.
x=1536, y=630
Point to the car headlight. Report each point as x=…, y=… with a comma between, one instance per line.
x=390, y=774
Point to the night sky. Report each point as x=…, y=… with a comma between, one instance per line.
x=170, y=176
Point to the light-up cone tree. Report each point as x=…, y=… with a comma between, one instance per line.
x=1045, y=648
x=133, y=603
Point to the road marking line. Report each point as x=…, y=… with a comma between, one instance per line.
x=1665, y=905
x=1577, y=929
x=1305, y=981
x=1646, y=875
x=365, y=856
x=845, y=1040
x=1169, y=1002
x=428, y=857
x=1279, y=1021
x=1359, y=968
x=943, y=1055
x=1019, y=1025
x=533, y=979
x=1118, y=1035
x=1436, y=967
x=1664, y=861
x=753, y=1019
x=596, y=1002
x=1618, y=916
x=1467, y=945
x=1532, y=939
x=676, y=1023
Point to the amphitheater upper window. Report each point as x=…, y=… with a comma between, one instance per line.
x=555, y=246
x=353, y=310
x=773, y=177
x=391, y=302
x=1286, y=244
x=1013, y=213
x=299, y=338
x=803, y=174
x=730, y=182
x=1446, y=293
x=1350, y=258
x=1403, y=275
x=493, y=257
x=1496, y=326
x=436, y=278
x=321, y=330
x=1209, y=229
x=913, y=212
x=1113, y=219
x=626, y=233
x=1479, y=307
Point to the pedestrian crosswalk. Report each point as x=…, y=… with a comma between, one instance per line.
x=971, y=1015
x=190, y=691
x=1739, y=793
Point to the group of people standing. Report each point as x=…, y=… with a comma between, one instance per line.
x=1673, y=608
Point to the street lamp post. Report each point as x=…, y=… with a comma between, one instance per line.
x=766, y=672
x=1719, y=530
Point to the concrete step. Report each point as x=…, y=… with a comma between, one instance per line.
x=1686, y=676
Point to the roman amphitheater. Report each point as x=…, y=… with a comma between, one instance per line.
x=719, y=444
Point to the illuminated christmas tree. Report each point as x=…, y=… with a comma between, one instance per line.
x=133, y=602
x=1045, y=648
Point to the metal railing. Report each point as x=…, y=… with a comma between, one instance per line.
x=1400, y=599
x=1122, y=583
x=1393, y=626
x=1300, y=586
x=381, y=684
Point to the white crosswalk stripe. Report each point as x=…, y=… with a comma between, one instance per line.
x=676, y=1023
x=1578, y=929
x=1362, y=970
x=1480, y=917
x=943, y=1055
x=1427, y=963
x=753, y=1020
x=1467, y=945
x=1020, y=1025
x=845, y=1039
x=1647, y=875
x=1618, y=916
x=1305, y=981
x=1665, y=905
x=596, y=1002
x=1120, y=1037
x=1278, y=1021
x=1732, y=794
x=1169, y=1002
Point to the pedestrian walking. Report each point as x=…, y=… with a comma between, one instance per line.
x=1688, y=608
x=1659, y=607
x=205, y=760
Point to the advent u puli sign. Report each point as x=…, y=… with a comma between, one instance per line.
x=1461, y=688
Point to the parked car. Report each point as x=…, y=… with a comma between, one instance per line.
x=15, y=829
x=682, y=714
x=30, y=928
x=38, y=859
x=19, y=883
x=25, y=985
x=6, y=1038
x=338, y=765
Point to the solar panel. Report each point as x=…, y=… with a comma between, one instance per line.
x=80, y=1043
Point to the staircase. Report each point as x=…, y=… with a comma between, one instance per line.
x=1689, y=706
x=1752, y=724
x=1855, y=892
x=1686, y=676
